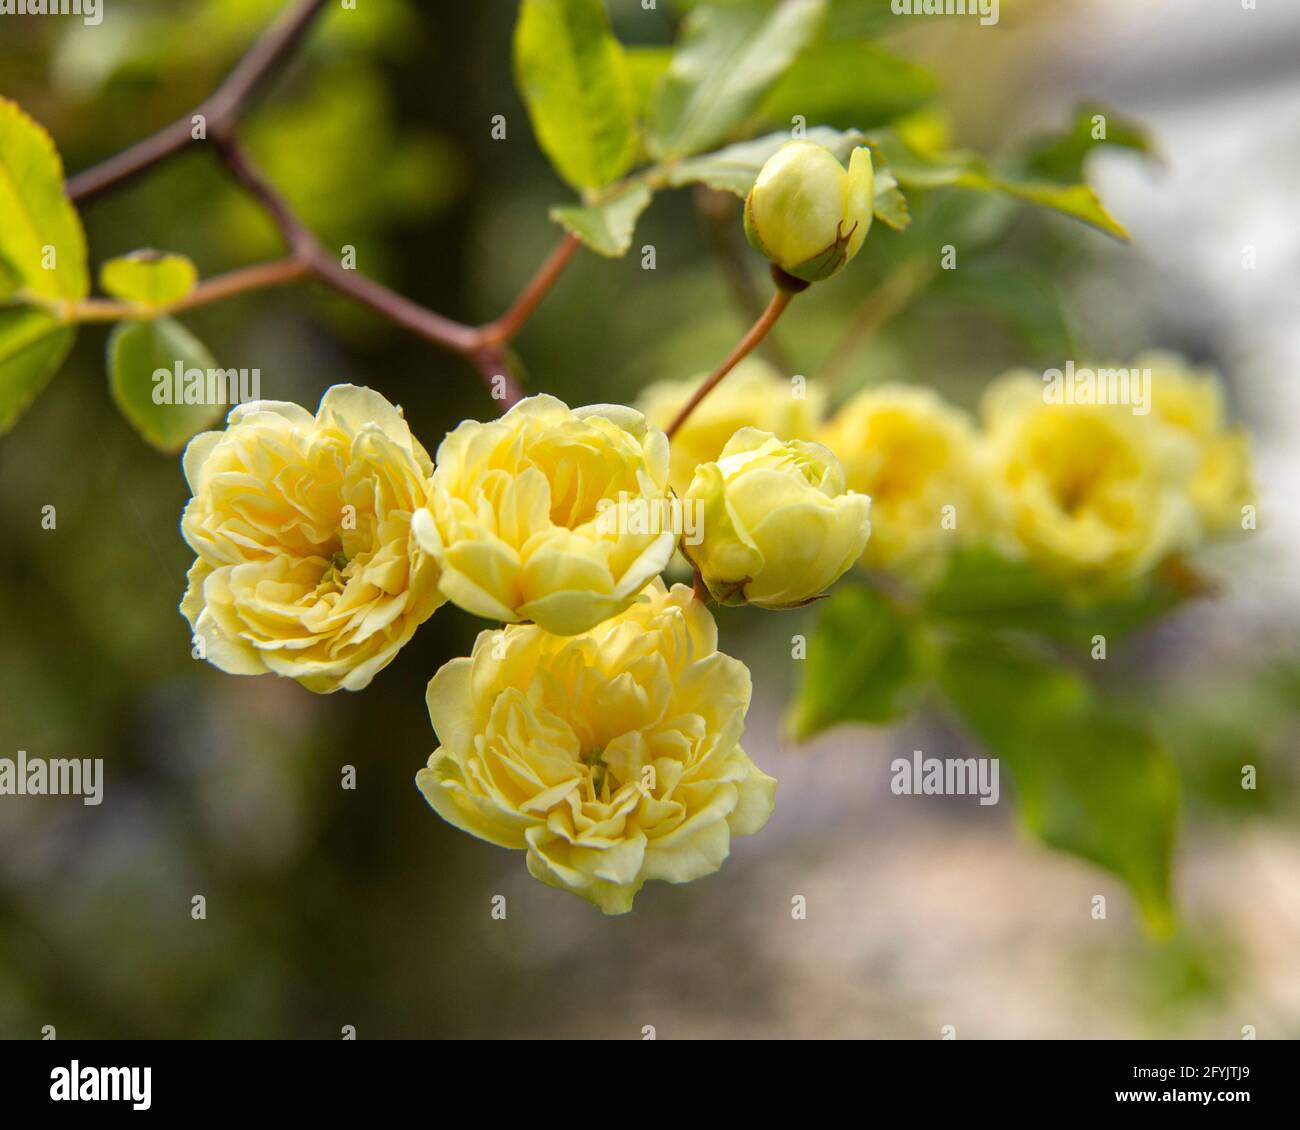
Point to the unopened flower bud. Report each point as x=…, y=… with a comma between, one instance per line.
x=779, y=527
x=806, y=213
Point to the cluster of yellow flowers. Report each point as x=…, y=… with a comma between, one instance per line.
x=599, y=728
x=1095, y=494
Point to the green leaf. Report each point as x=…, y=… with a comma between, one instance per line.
x=865, y=663
x=1061, y=157
x=9, y=280
x=850, y=84
x=1086, y=781
x=1024, y=297
x=890, y=205
x=1077, y=200
x=41, y=239
x=136, y=350
x=985, y=591
x=967, y=170
x=729, y=57
x=646, y=66
x=33, y=345
x=151, y=278
x=849, y=18
x=607, y=227
x=574, y=80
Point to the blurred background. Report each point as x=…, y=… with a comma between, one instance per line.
x=328, y=907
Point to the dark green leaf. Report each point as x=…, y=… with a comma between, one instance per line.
x=1017, y=293
x=1086, y=782
x=853, y=84
x=1061, y=157
x=865, y=663
x=983, y=590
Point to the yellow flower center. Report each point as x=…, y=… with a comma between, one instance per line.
x=581, y=476
x=905, y=456
x=1082, y=462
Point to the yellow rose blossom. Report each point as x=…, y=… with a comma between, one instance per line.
x=611, y=757
x=1094, y=493
x=778, y=526
x=302, y=524
x=917, y=457
x=518, y=518
x=754, y=395
x=1191, y=400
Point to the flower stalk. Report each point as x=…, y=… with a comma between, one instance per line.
x=747, y=344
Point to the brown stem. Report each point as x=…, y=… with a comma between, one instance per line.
x=305, y=247
x=300, y=242
x=493, y=364
x=758, y=331
x=539, y=286
x=221, y=110
x=410, y=315
x=717, y=212
x=259, y=276
x=279, y=41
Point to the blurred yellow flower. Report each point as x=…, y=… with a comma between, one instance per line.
x=778, y=526
x=754, y=395
x=302, y=524
x=1092, y=492
x=1191, y=400
x=611, y=757
x=917, y=457
x=518, y=517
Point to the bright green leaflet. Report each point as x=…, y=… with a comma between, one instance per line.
x=574, y=79
x=151, y=278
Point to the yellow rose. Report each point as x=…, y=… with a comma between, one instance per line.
x=754, y=395
x=1094, y=493
x=519, y=519
x=611, y=757
x=806, y=213
x=917, y=457
x=778, y=527
x=1191, y=400
x=302, y=524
